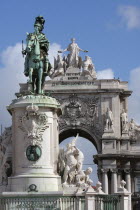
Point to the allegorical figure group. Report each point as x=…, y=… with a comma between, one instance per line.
x=70, y=166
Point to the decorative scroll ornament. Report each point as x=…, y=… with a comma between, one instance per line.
x=33, y=124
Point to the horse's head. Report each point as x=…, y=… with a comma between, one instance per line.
x=31, y=42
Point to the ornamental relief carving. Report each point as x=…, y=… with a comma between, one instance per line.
x=79, y=111
x=33, y=124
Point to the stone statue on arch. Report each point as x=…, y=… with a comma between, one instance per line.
x=73, y=58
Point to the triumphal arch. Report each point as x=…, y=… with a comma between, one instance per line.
x=97, y=110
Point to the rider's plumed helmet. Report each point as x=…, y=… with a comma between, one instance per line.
x=39, y=21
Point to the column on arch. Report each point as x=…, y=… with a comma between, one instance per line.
x=105, y=180
x=128, y=179
x=119, y=177
x=113, y=180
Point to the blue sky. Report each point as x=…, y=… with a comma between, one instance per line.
x=109, y=30
x=97, y=26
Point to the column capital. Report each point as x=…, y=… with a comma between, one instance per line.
x=119, y=171
x=114, y=170
x=127, y=171
x=104, y=170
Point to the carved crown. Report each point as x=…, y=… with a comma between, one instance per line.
x=32, y=109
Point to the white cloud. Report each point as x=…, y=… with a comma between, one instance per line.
x=11, y=75
x=134, y=99
x=11, y=72
x=105, y=74
x=130, y=16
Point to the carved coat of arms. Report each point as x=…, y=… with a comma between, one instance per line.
x=73, y=108
x=33, y=124
x=79, y=111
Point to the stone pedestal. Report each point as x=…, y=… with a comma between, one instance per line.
x=35, y=144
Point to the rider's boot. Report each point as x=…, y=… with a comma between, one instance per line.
x=46, y=66
x=30, y=75
x=40, y=73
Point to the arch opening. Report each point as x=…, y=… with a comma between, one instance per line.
x=68, y=132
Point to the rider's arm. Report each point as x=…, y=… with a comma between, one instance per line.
x=45, y=41
x=24, y=52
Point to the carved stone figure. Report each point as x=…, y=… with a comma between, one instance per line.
x=1, y=171
x=132, y=125
x=78, y=154
x=88, y=67
x=108, y=120
x=59, y=66
x=124, y=120
x=122, y=187
x=4, y=173
x=134, y=129
x=3, y=167
x=82, y=178
x=5, y=154
x=1, y=155
x=1, y=163
x=7, y=143
x=73, y=56
x=61, y=162
x=70, y=166
x=99, y=188
x=73, y=162
x=37, y=65
x=70, y=162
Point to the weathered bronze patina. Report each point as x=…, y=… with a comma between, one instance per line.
x=37, y=64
